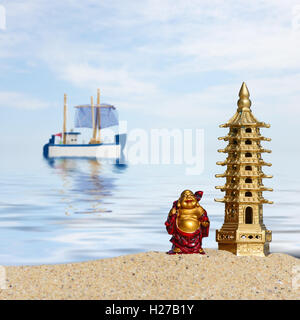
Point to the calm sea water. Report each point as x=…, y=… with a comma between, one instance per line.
x=77, y=210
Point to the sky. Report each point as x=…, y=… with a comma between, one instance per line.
x=162, y=63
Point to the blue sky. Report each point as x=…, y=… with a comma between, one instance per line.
x=163, y=63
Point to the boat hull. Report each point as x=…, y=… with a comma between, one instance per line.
x=85, y=151
x=103, y=150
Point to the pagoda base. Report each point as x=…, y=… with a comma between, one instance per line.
x=246, y=249
x=245, y=240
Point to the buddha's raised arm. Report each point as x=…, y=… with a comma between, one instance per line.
x=172, y=211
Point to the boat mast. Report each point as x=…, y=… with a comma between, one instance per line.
x=65, y=119
x=98, y=114
x=93, y=140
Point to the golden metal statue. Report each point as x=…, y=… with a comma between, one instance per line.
x=189, y=212
x=187, y=223
x=243, y=232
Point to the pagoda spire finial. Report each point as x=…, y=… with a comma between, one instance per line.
x=244, y=101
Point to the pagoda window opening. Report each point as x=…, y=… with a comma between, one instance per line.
x=249, y=215
x=235, y=142
x=248, y=168
x=248, y=180
x=248, y=142
x=248, y=194
x=248, y=155
x=235, y=130
x=248, y=130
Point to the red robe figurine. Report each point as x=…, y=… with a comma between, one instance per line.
x=187, y=223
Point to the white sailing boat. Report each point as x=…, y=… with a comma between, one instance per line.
x=92, y=116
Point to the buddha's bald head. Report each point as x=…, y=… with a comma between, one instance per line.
x=187, y=200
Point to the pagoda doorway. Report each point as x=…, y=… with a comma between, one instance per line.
x=249, y=215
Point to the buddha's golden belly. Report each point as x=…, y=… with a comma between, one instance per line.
x=187, y=224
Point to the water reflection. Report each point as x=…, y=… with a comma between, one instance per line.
x=69, y=210
x=85, y=185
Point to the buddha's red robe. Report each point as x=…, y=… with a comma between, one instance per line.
x=186, y=242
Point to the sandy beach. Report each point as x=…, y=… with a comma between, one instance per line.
x=156, y=275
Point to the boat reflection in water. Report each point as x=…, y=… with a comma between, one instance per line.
x=87, y=184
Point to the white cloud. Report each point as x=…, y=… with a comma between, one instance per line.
x=134, y=49
x=20, y=101
x=115, y=82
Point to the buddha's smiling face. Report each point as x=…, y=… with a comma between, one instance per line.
x=187, y=200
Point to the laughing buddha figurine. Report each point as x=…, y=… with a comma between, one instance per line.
x=187, y=223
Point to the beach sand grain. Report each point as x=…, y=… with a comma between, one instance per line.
x=156, y=275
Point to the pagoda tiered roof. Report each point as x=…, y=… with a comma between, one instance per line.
x=242, y=199
x=243, y=186
x=243, y=175
x=237, y=147
x=246, y=118
x=244, y=137
x=247, y=161
x=244, y=148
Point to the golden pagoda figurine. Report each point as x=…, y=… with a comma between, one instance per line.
x=243, y=232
